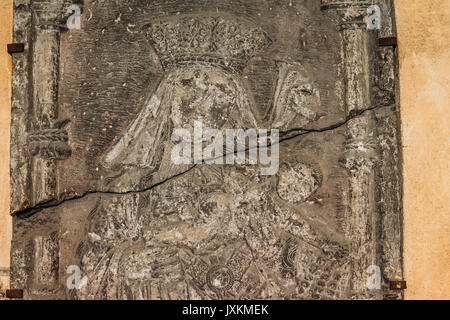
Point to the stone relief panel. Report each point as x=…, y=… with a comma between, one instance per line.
x=98, y=188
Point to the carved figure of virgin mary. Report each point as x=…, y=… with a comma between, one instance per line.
x=202, y=58
x=212, y=232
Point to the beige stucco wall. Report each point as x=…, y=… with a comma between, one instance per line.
x=424, y=51
x=5, y=98
x=424, y=56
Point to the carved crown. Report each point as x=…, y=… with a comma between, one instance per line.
x=215, y=40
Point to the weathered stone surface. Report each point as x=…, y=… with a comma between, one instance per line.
x=94, y=184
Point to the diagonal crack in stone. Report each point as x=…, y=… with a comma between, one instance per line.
x=28, y=212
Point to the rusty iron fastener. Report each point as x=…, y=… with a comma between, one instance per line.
x=15, y=48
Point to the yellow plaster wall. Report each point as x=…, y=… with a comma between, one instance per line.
x=424, y=56
x=5, y=99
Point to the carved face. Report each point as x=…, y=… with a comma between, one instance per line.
x=203, y=95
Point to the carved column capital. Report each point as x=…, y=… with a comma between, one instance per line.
x=51, y=14
x=345, y=4
x=352, y=13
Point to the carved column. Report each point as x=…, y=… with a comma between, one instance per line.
x=35, y=125
x=360, y=150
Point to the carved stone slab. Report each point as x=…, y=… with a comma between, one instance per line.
x=103, y=211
